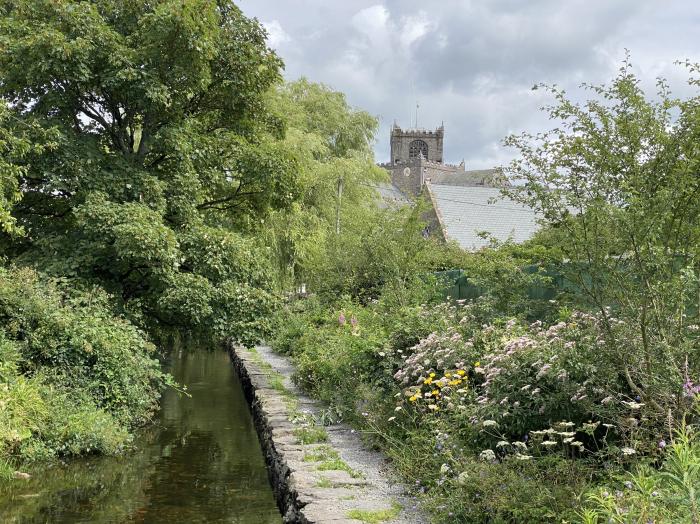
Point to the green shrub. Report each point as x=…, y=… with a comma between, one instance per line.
x=668, y=494
x=74, y=378
x=543, y=490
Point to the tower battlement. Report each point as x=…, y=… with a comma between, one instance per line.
x=410, y=144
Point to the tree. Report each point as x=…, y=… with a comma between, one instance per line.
x=332, y=143
x=163, y=135
x=17, y=139
x=617, y=185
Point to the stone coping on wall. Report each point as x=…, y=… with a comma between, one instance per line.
x=319, y=474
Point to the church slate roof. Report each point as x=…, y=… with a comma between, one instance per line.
x=390, y=195
x=476, y=177
x=465, y=211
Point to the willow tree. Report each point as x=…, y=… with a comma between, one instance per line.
x=332, y=142
x=165, y=148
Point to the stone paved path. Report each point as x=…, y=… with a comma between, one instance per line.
x=322, y=474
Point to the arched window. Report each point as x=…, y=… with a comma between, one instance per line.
x=418, y=147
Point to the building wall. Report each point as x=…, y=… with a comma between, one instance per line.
x=410, y=176
x=401, y=141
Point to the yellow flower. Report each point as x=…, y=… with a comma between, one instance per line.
x=432, y=375
x=461, y=372
x=412, y=398
x=448, y=375
x=477, y=364
x=428, y=380
x=435, y=393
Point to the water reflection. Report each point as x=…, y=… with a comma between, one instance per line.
x=202, y=463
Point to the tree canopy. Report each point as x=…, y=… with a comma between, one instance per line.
x=164, y=148
x=617, y=185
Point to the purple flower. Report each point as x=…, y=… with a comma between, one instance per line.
x=662, y=444
x=353, y=321
x=341, y=319
x=690, y=389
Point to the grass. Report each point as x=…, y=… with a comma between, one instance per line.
x=329, y=460
x=377, y=516
x=323, y=482
x=321, y=454
x=337, y=464
x=276, y=382
x=6, y=470
x=292, y=405
x=333, y=465
x=312, y=435
x=275, y=378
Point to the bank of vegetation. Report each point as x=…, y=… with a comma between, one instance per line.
x=509, y=407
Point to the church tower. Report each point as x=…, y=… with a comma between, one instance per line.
x=410, y=144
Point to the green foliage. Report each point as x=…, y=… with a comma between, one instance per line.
x=336, y=174
x=669, y=494
x=321, y=453
x=310, y=435
x=384, y=247
x=509, y=408
x=511, y=491
x=616, y=184
x=324, y=482
x=73, y=378
x=375, y=516
x=505, y=421
x=17, y=140
x=163, y=147
x=321, y=112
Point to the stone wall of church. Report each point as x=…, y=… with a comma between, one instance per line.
x=410, y=176
x=406, y=176
x=401, y=140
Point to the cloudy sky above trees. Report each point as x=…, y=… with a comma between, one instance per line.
x=472, y=64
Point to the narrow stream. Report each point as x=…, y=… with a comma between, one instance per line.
x=201, y=463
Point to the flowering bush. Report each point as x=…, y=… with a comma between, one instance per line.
x=479, y=410
x=555, y=386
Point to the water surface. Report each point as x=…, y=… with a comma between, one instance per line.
x=201, y=463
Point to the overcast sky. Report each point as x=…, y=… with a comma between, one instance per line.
x=472, y=64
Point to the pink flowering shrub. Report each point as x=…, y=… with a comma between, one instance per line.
x=537, y=375
x=435, y=354
x=514, y=382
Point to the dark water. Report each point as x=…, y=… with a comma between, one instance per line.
x=201, y=463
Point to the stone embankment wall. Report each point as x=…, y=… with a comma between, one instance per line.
x=318, y=474
x=259, y=395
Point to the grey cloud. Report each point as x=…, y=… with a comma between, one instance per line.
x=471, y=63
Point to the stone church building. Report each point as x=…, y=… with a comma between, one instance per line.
x=466, y=203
